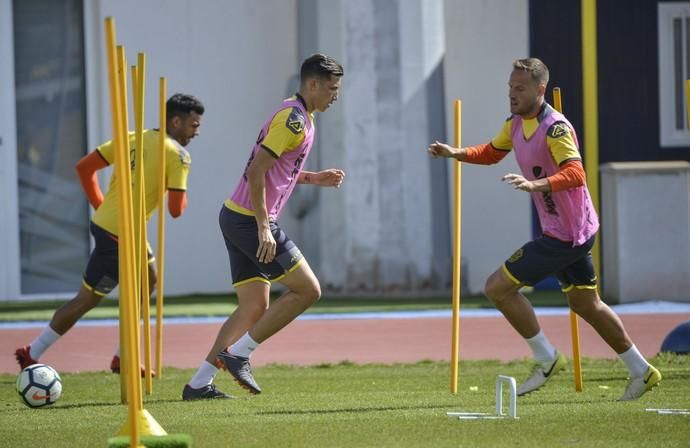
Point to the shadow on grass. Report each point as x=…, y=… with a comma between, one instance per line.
x=63, y=407
x=353, y=410
x=94, y=404
x=667, y=374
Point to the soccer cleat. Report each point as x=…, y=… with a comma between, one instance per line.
x=638, y=386
x=241, y=371
x=23, y=355
x=115, y=367
x=207, y=392
x=540, y=376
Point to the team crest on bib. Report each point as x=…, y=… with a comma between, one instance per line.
x=558, y=130
x=295, y=122
x=516, y=256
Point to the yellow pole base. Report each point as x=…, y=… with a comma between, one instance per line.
x=147, y=424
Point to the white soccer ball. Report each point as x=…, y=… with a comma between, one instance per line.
x=39, y=385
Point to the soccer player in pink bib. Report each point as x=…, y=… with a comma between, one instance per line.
x=259, y=251
x=547, y=152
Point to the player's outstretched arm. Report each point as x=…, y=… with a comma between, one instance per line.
x=438, y=149
x=484, y=154
x=326, y=178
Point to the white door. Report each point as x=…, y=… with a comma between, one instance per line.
x=9, y=216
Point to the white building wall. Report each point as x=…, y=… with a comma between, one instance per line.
x=482, y=40
x=376, y=232
x=236, y=56
x=239, y=56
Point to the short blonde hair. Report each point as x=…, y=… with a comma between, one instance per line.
x=535, y=67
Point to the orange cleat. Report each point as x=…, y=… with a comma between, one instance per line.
x=23, y=355
x=115, y=367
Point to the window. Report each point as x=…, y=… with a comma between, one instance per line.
x=674, y=70
x=51, y=137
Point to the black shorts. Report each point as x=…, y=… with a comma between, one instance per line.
x=547, y=256
x=101, y=275
x=241, y=235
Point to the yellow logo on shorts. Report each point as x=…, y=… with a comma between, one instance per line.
x=516, y=256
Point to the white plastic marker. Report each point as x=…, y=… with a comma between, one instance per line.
x=500, y=380
x=669, y=411
x=510, y=381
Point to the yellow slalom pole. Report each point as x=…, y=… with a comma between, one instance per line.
x=457, y=227
x=138, y=419
x=126, y=240
x=590, y=105
x=128, y=284
x=120, y=142
x=557, y=99
x=117, y=106
x=137, y=194
x=161, y=227
x=574, y=329
x=141, y=217
x=137, y=191
x=141, y=262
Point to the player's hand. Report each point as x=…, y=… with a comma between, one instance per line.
x=329, y=178
x=519, y=182
x=267, y=246
x=438, y=149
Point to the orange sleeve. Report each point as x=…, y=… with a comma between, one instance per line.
x=86, y=170
x=177, y=202
x=569, y=175
x=484, y=154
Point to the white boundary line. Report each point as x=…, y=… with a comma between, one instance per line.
x=669, y=411
x=657, y=307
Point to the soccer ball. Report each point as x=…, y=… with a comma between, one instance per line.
x=39, y=385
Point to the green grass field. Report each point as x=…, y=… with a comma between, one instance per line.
x=349, y=405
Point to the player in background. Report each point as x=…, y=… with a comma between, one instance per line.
x=547, y=152
x=183, y=119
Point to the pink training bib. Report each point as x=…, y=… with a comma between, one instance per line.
x=568, y=215
x=282, y=177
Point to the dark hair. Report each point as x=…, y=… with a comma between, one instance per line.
x=535, y=67
x=181, y=105
x=320, y=66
